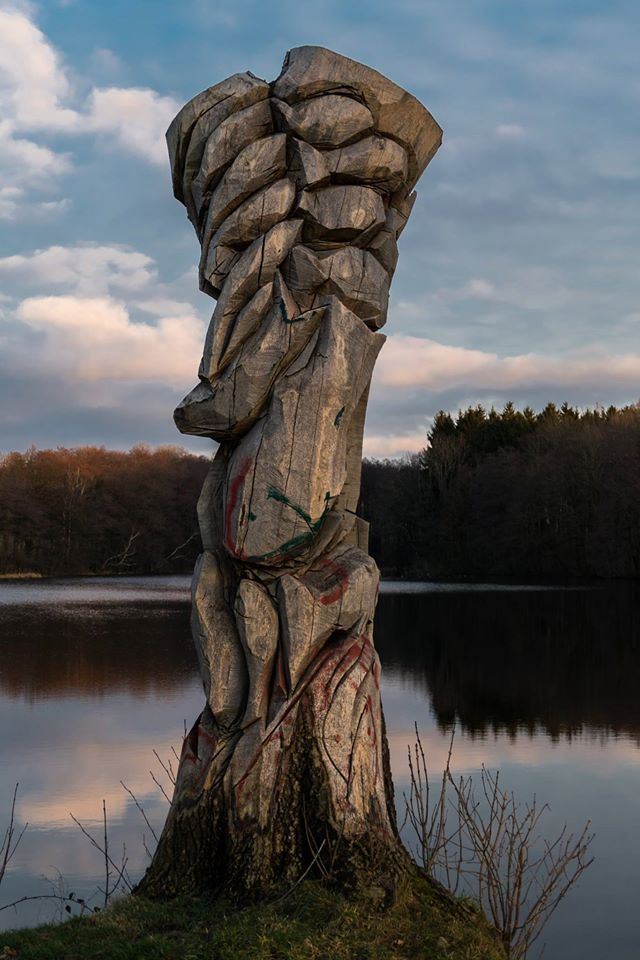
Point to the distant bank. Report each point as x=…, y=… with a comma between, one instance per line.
x=508, y=495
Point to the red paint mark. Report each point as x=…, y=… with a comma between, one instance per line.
x=314, y=671
x=190, y=743
x=232, y=500
x=339, y=576
x=352, y=654
x=368, y=731
x=197, y=749
x=337, y=738
x=280, y=684
x=240, y=785
x=203, y=735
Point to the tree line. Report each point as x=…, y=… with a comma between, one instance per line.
x=494, y=494
x=92, y=510
x=512, y=493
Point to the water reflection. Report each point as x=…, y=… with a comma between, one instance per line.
x=136, y=648
x=95, y=637
x=491, y=658
x=95, y=675
x=565, y=661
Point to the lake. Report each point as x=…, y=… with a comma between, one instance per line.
x=541, y=682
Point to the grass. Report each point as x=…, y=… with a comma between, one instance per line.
x=312, y=923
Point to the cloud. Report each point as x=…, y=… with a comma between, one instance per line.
x=524, y=288
x=25, y=161
x=110, y=342
x=510, y=130
x=87, y=339
x=38, y=97
x=415, y=377
x=35, y=85
x=105, y=60
x=25, y=164
x=398, y=445
x=34, y=90
x=99, y=348
x=82, y=268
x=138, y=118
x=55, y=206
x=409, y=362
x=163, y=306
x=9, y=200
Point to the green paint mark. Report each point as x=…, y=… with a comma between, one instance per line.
x=284, y=316
x=301, y=538
x=339, y=416
x=285, y=547
x=252, y=515
x=274, y=494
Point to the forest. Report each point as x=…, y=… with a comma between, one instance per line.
x=494, y=494
x=512, y=494
x=92, y=510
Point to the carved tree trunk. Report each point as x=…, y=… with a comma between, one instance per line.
x=298, y=191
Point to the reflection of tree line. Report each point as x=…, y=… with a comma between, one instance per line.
x=566, y=661
x=492, y=660
x=563, y=660
x=133, y=649
x=554, y=494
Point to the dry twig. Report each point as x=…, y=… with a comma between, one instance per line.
x=9, y=846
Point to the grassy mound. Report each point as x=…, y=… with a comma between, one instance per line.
x=311, y=923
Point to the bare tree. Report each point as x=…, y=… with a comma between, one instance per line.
x=124, y=559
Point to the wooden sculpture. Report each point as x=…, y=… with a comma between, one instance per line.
x=298, y=191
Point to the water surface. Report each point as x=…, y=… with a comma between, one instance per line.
x=541, y=683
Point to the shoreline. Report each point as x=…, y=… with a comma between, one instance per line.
x=28, y=575
x=523, y=580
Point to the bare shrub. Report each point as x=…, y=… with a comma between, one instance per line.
x=483, y=843
x=10, y=841
x=116, y=874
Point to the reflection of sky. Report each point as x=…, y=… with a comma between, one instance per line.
x=86, y=591
x=70, y=747
x=70, y=753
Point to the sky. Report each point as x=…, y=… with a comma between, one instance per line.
x=518, y=275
